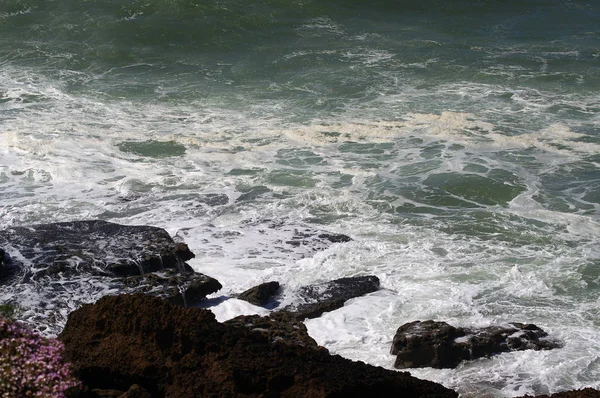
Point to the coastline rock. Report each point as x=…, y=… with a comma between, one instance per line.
x=55, y=268
x=182, y=289
x=277, y=327
x=184, y=352
x=94, y=247
x=316, y=299
x=135, y=391
x=439, y=345
x=260, y=295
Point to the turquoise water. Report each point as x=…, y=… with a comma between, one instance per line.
x=458, y=144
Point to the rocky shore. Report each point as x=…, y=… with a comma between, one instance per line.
x=123, y=297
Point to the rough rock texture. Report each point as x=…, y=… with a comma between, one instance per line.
x=260, y=295
x=585, y=393
x=440, y=345
x=57, y=267
x=181, y=352
x=135, y=391
x=179, y=288
x=280, y=327
x=94, y=247
x=314, y=300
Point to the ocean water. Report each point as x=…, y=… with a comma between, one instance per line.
x=458, y=143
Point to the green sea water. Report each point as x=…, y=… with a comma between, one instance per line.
x=457, y=142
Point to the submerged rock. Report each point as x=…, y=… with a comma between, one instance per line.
x=184, y=352
x=440, y=345
x=276, y=241
x=56, y=267
x=260, y=295
x=314, y=300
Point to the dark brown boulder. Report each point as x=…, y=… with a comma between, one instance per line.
x=280, y=327
x=260, y=295
x=440, y=345
x=171, y=351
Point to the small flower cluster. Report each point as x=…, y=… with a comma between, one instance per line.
x=32, y=365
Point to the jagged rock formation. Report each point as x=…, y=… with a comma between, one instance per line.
x=314, y=300
x=94, y=247
x=171, y=351
x=440, y=345
x=57, y=267
x=260, y=295
x=280, y=327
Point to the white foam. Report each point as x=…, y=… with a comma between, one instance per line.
x=230, y=308
x=61, y=161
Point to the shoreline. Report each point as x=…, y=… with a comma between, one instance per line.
x=164, y=275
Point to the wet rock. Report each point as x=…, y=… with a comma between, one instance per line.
x=260, y=295
x=314, y=300
x=214, y=199
x=306, y=237
x=173, y=351
x=56, y=267
x=336, y=238
x=94, y=247
x=440, y=345
x=183, y=289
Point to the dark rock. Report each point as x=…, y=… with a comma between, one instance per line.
x=261, y=294
x=440, y=345
x=585, y=393
x=183, y=289
x=309, y=238
x=3, y=264
x=136, y=391
x=214, y=199
x=95, y=247
x=336, y=238
x=57, y=267
x=278, y=327
x=108, y=393
x=184, y=352
x=316, y=299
